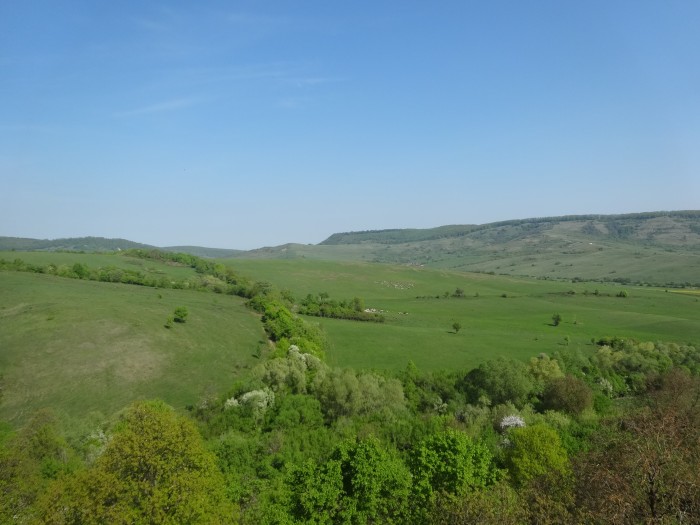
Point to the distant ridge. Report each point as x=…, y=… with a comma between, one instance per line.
x=659, y=248
x=400, y=236
x=73, y=244
x=397, y=236
x=200, y=251
x=102, y=244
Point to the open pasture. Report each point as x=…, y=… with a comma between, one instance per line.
x=78, y=347
x=94, y=261
x=499, y=315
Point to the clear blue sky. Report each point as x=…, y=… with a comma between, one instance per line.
x=245, y=124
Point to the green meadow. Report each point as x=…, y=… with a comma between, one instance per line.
x=101, y=260
x=499, y=315
x=85, y=347
x=81, y=347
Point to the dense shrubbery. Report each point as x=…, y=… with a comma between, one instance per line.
x=155, y=469
x=213, y=276
x=301, y=442
x=322, y=305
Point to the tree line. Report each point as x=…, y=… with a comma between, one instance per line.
x=565, y=438
x=321, y=305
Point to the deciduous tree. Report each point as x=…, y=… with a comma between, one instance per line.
x=535, y=451
x=154, y=470
x=361, y=483
x=451, y=462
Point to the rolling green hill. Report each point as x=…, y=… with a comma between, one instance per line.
x=149, y=268
x=78, y=346
x=657, y=248
x=664, y=228
x=660, y=248
x=81, y=346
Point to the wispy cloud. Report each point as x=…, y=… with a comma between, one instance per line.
x=160, y=107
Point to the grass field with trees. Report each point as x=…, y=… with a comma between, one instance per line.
x=79, y=346
x=498, y=315
x=144, y=386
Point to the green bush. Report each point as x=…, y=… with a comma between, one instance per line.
x=180, y=314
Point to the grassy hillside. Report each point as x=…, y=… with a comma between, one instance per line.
x=658, y=248
x=82, y=346
x=499, y=315
x=656, y=227
x=149, y=268
x=79, y=346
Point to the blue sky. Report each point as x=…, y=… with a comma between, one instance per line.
x=248, y=124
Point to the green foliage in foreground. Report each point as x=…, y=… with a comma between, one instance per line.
x=535, y=451
x=296, y=440
x=301, y=442
x=362, y=482
x=155, y=469
x=450, y=462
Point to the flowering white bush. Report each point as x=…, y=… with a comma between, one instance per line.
x=308, y=359
x=509, y=422
x=606, y=386
x=257, y=400
x=312, y=362
x=230, y=403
